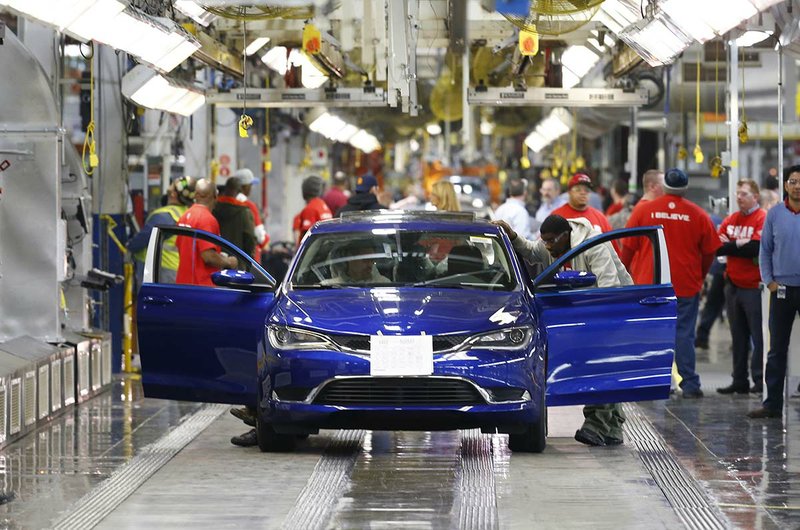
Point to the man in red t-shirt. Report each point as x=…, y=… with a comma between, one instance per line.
x=247, y=180
x=337, y=196
x=740, y=234
x=198, y=257
x=315, y=210
x=578, y=203
x=692, y=243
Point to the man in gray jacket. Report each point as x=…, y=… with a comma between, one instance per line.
x=603, y=423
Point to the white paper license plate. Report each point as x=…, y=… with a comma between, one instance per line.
x=401, y=355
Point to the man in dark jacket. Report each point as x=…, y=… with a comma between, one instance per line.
x=365, y=197
x=235, y=219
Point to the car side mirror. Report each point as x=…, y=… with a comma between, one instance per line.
x=574, y=279
x=232, y=278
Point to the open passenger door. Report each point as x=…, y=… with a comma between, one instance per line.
x=198, y=342
x=613, y=344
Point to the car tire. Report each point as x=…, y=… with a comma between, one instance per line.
x=271, y=442
x=534, y=438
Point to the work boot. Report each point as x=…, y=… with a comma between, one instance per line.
x=701, y=343
x=692, y=394
x=757, y=388
x=585, y=436
x=245, y=414
x=733, y=388
x=248, y=439
x=764, y=412
x=611, y=440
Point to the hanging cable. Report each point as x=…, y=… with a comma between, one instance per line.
x=743, y=136
x=89, y=157
x=715, y=165
x=245, y=121
x=698, y=152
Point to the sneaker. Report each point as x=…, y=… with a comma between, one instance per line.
x=245, y=414
x=733, y=388
x=757, y=389
x=764, y=413
x=700, y=343
x=248, y=439
x=585, y=436
x=692, y=394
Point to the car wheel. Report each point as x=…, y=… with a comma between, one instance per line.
x=534, y=438
x=271, y=442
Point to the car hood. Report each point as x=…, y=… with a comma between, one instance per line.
x=401, y=311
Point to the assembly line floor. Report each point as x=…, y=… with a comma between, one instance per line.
x=120, y=460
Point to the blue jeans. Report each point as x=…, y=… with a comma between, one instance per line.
x=684, y=342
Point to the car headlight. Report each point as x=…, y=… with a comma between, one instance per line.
x=505, y=339
x=286, y=338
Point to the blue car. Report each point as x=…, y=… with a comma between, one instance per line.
x=405, y=321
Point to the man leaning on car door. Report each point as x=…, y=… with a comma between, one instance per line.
x=602, y=423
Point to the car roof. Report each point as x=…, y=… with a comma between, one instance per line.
x=406, y=219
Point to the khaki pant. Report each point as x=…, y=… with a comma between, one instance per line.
x=605, y=420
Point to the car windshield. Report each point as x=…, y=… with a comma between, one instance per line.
x=404, y=258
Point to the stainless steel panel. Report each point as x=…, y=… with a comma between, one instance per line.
x=29, y=398
x=96, y=369
x=15, y=412
x=3, y=411
x=83, y=371
x=106, y=360
x=43, y=398
x=69, y=379
x=56, y=385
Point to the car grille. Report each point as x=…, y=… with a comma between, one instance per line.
x=399, y=392
x=361, y=342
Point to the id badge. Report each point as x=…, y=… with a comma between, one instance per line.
x=781, y=292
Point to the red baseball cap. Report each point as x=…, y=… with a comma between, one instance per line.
x=580, y=178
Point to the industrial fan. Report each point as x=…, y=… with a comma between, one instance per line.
x=556, y=17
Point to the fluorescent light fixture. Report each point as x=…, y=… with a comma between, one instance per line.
x=327, y=125
x=77, y=17
x=486, y=127
x=151, y=90
x=577, y=61
x=556, y=124
x=256, y=45
x=413, y=145
x=195, y=11
x=346, y=133
x=658, y=41
x=276, y=59
x=365, y=141
x=310, y=75
x=752, y=37
x=434, y=129
x=703, y=20
x=617, y=15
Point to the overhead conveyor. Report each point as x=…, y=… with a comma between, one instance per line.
x=562, y=97
x=300, y=97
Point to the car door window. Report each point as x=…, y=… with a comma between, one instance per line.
x=644, y=265
x=180, y=259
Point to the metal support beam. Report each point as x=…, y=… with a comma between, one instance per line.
x=733, y=124
x=633, y=149
x=398, y=54
x=560, y=97
x=300, y=97
x=780, y=121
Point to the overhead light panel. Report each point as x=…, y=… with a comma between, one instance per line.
x=195, y=11
x=151, y=90
x=77, y=17
x=555, y=125
x=276, y=59
x=365, y=141
x=578, y=60
x=658, y=41
x=310, y=75
x=752, y=37
x=256, y=45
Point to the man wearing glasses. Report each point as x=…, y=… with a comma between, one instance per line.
x=740, y=234
x=779, y=262
x=603, y=423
